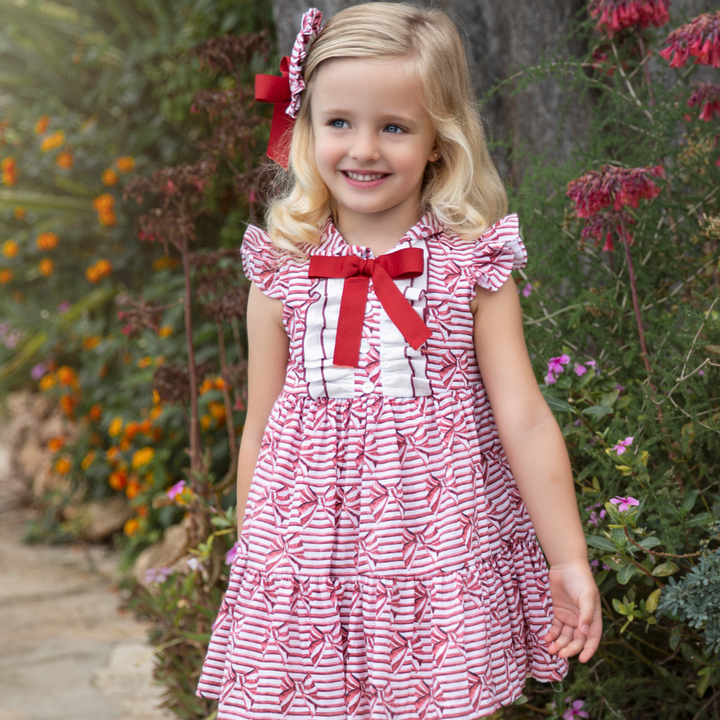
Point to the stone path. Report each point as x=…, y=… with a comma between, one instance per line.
x=66, y=651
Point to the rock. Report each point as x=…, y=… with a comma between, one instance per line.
x=100, y=519
x=178, y=539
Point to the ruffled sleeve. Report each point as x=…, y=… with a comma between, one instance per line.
x=262, y=262
x=496, y=254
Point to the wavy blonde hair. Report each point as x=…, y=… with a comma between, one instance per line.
x=462, y=189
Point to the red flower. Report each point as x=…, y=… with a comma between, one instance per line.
x=616, y=15
x=700, y=38
x=601, y=195
x=707, y=97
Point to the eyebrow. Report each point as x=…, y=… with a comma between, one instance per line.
x=390, y=117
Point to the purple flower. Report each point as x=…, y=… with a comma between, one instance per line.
x=555, y=367
x=176, y=489
x=194, y=563
x=527, y=290
x=12, y=339
x=5, y=328
x=595, y=518
x=623, y=445
x=624, y=503
x=580, y=370
x=595, y=563
x=231, y=554
x=701, y=372
x=619, y=387
x=64, y=306
x=38, y=371
x=575, y=710
x=159, y=575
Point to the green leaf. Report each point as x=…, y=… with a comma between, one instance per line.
x=597, y=410
x=608, y=399
x=626, y=573
x=699, y=519
x=619, y=607
x=650, y=542
x=689, y=502
x=653, y=599
x=557, y=405
x=713, y=349
x=674, y=640
x=43, y=202
x=665, y=569
x=601, y=543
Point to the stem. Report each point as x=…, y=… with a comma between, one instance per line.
x=636, y=302
x=226, y=393
x=192, y=371
x=645, y=60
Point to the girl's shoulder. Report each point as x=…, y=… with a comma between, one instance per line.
x=489, y=260
x=263, y=262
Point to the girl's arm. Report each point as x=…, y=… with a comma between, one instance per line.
x=536, y=451
x=267, y=365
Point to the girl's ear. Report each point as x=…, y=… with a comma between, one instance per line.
x=434, y=155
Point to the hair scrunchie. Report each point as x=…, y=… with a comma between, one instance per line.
x=310, y=27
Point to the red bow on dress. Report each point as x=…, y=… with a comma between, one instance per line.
x=407, y=263
x=274, y=89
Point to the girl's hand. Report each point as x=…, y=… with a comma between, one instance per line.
x=578, y=619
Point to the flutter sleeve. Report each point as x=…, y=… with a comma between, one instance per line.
x=263, y=262
x=498, y=252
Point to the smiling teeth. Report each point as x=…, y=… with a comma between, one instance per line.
x=364, y=178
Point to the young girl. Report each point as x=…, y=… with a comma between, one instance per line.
x=398, y=454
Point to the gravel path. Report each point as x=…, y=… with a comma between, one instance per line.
x=66, y=651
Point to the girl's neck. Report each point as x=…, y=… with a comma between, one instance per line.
x=380, y=232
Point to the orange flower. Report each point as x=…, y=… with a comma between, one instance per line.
x=47, y=382
x=205, y=421
x=90, y=343
x=156, y=398
x=131, y=526
x=207, y=385
x=98, y=270
x=115, y=427
x=125, y=164
x=6, y=275
x=124, y=444
x=220, y=384
x=142, y=511
x=217, y=410
x=67, y=376
x=142, y=457
x=42, y=124
x=46, y=266
x=19, y=213
x=156, y=412
x=62, y=466
x=46, y=241
x=52, y=141
x=104, y=202
x=144, y=362
x=109, y=177
x=10, y=248
x=88, y=460
x=118, y=479
x=112, y=454
x=145, y=427
x=95, y=412
x=67, y=404
x=132, y=429
x=133, y=488
x=166, y=331
x=107, y=219
x=164, y=262
x=65, y=160
x=55, y=443
x=9, y=171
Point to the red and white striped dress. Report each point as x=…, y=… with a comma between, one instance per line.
x=387, y=567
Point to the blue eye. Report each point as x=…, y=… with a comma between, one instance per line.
x=395, y=129
x=338, y=123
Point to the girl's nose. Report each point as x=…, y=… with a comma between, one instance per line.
x=364, y=148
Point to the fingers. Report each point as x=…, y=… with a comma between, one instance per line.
x=567, y=640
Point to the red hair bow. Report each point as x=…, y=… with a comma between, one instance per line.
x=274, y=89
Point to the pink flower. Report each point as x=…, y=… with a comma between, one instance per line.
x=700, y=38
x=555, y=367
x=616, y=15
x=624, y=503
x=575, y=710
x=707, y=97
x=231, y=554
x=601, y=195
x=527, y=290
x=623, y=445
x=580, y=370
x=594, y=517
x=176, y=489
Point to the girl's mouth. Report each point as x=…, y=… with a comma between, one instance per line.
x=364, y=179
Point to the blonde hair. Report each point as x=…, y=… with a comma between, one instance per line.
x=462, y=189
